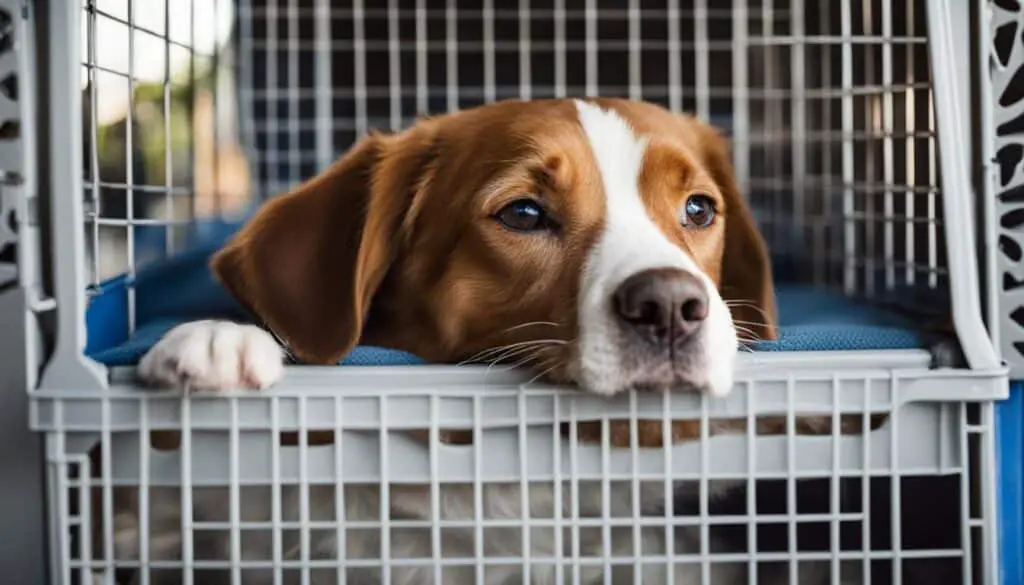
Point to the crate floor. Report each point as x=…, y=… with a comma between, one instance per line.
x=181, y=288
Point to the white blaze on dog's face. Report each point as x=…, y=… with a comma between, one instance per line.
x=592, y=241
x=649, y=314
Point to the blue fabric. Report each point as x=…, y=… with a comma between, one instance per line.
x=182, y=288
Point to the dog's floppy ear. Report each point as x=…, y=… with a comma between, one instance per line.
x=310, y=260
x=746, y=266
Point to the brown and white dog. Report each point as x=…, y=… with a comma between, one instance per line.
x=608, y=236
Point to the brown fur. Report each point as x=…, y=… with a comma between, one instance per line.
x=395, y=244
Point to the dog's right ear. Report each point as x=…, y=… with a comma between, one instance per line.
x=310, y=261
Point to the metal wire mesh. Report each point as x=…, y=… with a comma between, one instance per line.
x=829, y=108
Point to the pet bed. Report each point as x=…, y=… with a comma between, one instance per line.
x=181, y=288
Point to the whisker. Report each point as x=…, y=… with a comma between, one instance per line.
x=518, y=351
x=746, y=304
x=532, y=324
x=535, y=378
x=748, y=332
x=496, y=350
x=522, y=361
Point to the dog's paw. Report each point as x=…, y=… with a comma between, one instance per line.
x=213, y=356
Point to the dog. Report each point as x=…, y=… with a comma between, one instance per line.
x=608, y=236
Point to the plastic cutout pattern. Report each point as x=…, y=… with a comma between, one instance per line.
x=10, y=149
x=1007, y=71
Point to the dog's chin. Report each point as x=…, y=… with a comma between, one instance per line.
x=660, y=376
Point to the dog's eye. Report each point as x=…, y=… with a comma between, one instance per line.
x=699, y=211
x=523, y=215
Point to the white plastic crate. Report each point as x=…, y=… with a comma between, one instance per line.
x=849, y=145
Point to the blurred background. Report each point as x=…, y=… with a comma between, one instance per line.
x=160, y=140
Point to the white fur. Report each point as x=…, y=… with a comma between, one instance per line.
x=632, y=243
x=213, y=356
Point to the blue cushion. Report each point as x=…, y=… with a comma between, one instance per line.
x=182, y=288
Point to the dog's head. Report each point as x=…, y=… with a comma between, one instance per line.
x=593, y=240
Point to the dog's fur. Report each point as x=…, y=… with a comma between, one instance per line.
x=397, y=245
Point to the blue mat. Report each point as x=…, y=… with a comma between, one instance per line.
x=182, y=288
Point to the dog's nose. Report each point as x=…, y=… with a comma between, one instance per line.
x=664, y=305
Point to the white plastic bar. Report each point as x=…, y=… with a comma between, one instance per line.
x=394, y=66
x=452, y=53
x=94, y=152
x=86, y=522
x=986, y=144
x=888, y=163
x=574, y=490
x=798, y=119
x=57, y=496
x=870, y=252
x=772, y=104
x=741, y=96
x=489, y=76
x=478, y=492
x=235, y=497
x=341, y=513
x=556, y=457
x=273, y=97
x=323, y=83
x=895, y=510
x=606, y=501
x=791, y=507
x=910, y=144
x=822, y=243
x=834, y=486
x=933, y=232
x=275, y=487
x=675, y=61
x=966, y=491
x=385, y=495
x=590, y=48
x=129, y=170
x=304, y=540
x=560, y=48
x=703, y=74
x=187, y=538
x=751, y=483
x=636, y=89
x=705, y=493
x=957, y=190
x=247, y=94
x=421, y=58
x=634, y=447
x=435, y=487
x=988, y=495
x=68, y=368
x=145, y=448
x=524, y=492
x=849, y=225
x=359, y=67
x=168, y=151
x=865, y=505
x=294, y=148
x=525, y=51
x=666, y=439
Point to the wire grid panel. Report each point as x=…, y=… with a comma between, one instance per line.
x=430, y=505
x=830, y=110
x=158, y=128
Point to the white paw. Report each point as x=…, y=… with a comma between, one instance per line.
x=213, y=356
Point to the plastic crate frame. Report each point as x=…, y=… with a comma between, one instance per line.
x=68, y=371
